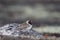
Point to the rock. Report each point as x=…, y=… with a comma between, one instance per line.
x=12, y=30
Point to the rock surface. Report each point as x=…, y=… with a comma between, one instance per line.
x=12, y=30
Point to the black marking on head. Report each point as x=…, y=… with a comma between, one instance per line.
x=30, y=22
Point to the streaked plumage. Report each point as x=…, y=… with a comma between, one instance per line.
x=25, y=26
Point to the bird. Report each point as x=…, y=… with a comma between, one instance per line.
x=26, y=26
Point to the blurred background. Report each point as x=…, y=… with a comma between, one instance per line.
x=45, y=14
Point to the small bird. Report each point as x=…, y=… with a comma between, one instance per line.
x=26, y=26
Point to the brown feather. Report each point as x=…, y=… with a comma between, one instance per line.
x=24, y=25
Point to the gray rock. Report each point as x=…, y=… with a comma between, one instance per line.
x=12, y=30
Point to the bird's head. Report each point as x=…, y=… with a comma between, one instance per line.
x=29, y=22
